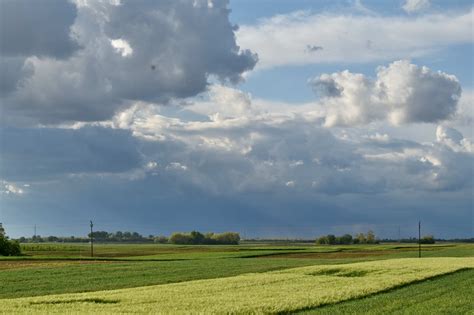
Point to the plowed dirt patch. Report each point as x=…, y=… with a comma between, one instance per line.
x=17, y=264
x=335, y=255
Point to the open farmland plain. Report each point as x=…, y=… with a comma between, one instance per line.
x=249, y=278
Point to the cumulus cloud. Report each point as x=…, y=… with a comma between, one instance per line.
x=280, y=40
x=402, y=93
x=130, y=50
x=413, y=6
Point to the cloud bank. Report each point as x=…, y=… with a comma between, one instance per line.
x=282, y=40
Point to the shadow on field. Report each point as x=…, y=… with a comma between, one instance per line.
x=87, y=300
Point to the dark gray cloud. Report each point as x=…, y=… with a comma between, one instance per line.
x=50, y=153
x=152, y=51
x=37, y=28
x=12, y=70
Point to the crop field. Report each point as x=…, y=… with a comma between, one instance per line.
x=248, y=278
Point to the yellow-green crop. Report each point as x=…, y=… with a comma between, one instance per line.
x=270, y=292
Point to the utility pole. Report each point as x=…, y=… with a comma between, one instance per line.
x=92, y=240
x=399, y=235
x=34, y=235
x=419, y=239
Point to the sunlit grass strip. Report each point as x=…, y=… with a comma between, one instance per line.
x=270, y=292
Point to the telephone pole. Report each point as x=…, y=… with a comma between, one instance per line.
x=419, y=239
x=92, y=240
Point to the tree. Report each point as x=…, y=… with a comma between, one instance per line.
x=2, y=230
x=197, y=237
x=427, y=239
x=331, y=239
x=345, y=239
x=180, y=238
x=8, y=247
x=361, y=239
x=370, y=237
x=160, y=239
x=230, y=238
x=322, y=240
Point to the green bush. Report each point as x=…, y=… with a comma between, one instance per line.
x=8, y=247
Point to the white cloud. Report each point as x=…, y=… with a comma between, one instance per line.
x=9, y=188
x=224, y=102
x=176, y=166
x=401, y=93
x=413, y=6
x=122, y=47
x=290, y=184
x=283, y=39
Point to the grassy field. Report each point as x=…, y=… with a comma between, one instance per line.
x=155, y=270
x=269, y=292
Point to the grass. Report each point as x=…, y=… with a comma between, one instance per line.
x=51, y=277
x=52, y=268
x=448, y=294
x=57, y=251
x=56, y=268
x=277, y=291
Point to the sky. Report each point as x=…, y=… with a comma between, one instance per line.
x=281, y=118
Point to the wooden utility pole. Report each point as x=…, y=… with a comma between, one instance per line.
x=419, y=239
x=92, y=240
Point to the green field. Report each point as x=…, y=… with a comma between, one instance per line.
x=249, y=278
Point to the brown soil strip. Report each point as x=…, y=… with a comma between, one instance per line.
x=17, y=264
x=335, y=255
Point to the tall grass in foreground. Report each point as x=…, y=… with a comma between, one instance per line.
x=269, y=292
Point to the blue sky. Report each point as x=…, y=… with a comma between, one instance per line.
x=312, y=117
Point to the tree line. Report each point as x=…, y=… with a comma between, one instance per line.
x=367, y=238
x=197, y=238
x=98, y=236
x=346, y=239
x=191, y=238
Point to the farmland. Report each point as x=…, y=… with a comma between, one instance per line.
x=243, y=278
